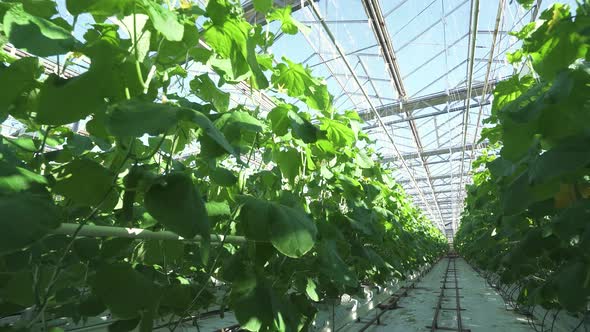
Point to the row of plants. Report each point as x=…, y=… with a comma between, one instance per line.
x=167, y=149
x=527, y=213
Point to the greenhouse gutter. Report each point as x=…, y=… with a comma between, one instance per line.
x=137, y=233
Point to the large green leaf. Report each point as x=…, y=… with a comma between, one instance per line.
x=557, y=43
x=209, y=129
x=175, y=202
x=82, y=96
x=289, y=25
x=258, y=307
x=223, y=177
x=263, y=6
x=133, y=118
x=17, y=79
x=284, y=116
x=333, y=266
x=164, y=20
x=293, y=77
x=298, y=82
x=289, y=162
x=36, y=35
x=230, y=40
x=26, y=217
x=279, y=119
x=204, y=88
x=14, y=178
x=126, y=292
x=218, y=10
x=289, y=230
x=85, y=182
x=566, y=158
x=338, y=133
x=42, y=8
x=102, y=8
x=573, y=288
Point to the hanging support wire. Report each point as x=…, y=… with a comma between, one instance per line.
x=471, y=56
x=139, y=234
x=488, y=70
x=342, y=55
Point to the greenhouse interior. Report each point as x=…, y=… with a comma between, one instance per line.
x=295, y=165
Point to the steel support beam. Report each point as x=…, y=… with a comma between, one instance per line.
x=428, y=115
x=438, y=98
x=439, y=177
x=439, y=152
x=377, y=21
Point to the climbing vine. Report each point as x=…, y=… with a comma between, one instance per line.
x=164, y=148
x=526, y=214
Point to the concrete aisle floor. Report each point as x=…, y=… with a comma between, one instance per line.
x=484, y=308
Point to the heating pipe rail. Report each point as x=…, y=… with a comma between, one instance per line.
x=439, y=305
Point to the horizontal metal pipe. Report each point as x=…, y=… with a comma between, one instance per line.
x=138, y=233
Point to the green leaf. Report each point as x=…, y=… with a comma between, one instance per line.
x=572, y=286
x=223, y=177
x=279, y=119
x=310, y=290
x=284, y=116
x=133, y=118
x=175, y=202
x=87, y=248
x=526, y=3
x=289, y=162
x=204, y=88
x=557, y=43
x=81, y=93
x=25, y=219
x=209, y=129
x=566, y=158
x=102, y=8
x=263, y=6
x=162, y=252
x=124, y=291
x=258, y=306
x=17, y=79
x=19, y=289
x=303, y=129
x=215, y=209
x=259, y=81
x=520, y=194
x=14, y=178
x=332, y=265
x=252, y=301
x=238, y=123
x=36, y=35
x=338, y=133
x=299, y=83
x=42, y=8
x=85, y=182
x=229, y=39
x=175, y=52
x=289, y=25
x=289, y=230
x=164, y=20
x=363, y=161
x=218, y=10
x=293, y=77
